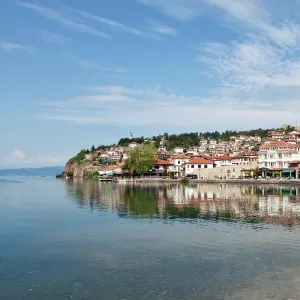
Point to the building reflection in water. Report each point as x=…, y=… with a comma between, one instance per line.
x=271, y=204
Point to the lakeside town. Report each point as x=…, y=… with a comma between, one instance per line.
x=274, y=154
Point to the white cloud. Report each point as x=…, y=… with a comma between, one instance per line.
x=155, y=31
x=19, y=158
x=86, y=64
x=49, y=37
x=11, y=47
x=181, y=10
x=161, y=28
x=17, y=154
x=129, y=106
x=111, y=23
x=270, y=59
x=66, y=20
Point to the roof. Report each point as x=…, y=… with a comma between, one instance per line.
x=181, y=156
x=199, y=161
x=163, y=162
x=225, y=157
x=277, y=144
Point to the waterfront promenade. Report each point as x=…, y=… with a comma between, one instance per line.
x=215, y=181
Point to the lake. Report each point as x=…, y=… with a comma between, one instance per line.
x=89, y=240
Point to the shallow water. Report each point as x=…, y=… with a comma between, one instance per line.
x=90, y=240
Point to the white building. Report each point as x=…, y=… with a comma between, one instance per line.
x=224, y=160
x=162, y=148
x=133, y=145
x=278, y=155
x=179, y=161
x=197, y=163
x=178, y=150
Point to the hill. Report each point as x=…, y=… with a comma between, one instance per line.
x=187, y=140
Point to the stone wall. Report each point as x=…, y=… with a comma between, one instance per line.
x=233, y=171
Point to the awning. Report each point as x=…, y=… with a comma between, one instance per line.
x=288, y=171
x=109, y=173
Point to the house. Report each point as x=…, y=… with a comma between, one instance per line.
x=245, y=159
x=278, y=155
x=132, y=145
x=203, y=142
x=110, y=170
x=178, y=150
x=197, y=163
x=162, y=167
x=162, y=148
x=178, y=163
x=224, y=160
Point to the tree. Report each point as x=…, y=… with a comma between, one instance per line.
x=141, y=159
x=93, y=149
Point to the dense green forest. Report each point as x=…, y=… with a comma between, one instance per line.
x=187, y=140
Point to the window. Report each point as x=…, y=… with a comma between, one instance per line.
x=179, y=162
x=192, y=166
x=205, y=166
x=199, y=166
x=280, y=155
x=265, y=156
x=271, y=155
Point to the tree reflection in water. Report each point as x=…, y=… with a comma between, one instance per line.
x=231, y=203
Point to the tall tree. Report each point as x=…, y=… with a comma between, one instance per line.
x=141, y=159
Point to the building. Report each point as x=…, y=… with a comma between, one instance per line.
x=179, y=163
x=246, y=159
x=162, y=167
x=132, y=145
x=224, y=160
x=193, y=165
x=178, y=150
x=278, y=157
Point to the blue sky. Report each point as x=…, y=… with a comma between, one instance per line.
x=77, y=73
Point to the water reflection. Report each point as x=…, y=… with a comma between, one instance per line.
x=269, y=204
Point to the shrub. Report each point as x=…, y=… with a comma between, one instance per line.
x=185, y=181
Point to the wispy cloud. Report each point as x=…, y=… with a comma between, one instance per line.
x=86, y=64
x=266, y=56
x=129, y=106
x=110, y=23
x=182, y=10
x=49, y=37
x=155, y=31
x=161, y=28
x=19, y=158
x=11, y=47
x=64, y=19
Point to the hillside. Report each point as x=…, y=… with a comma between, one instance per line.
x=188, y=140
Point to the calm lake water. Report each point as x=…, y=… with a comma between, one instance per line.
x=90, y=240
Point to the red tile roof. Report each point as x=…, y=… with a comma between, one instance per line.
x=199, y=161
x=163, y=162
x=181, y=156
x=277, y=144
x=225, y=157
